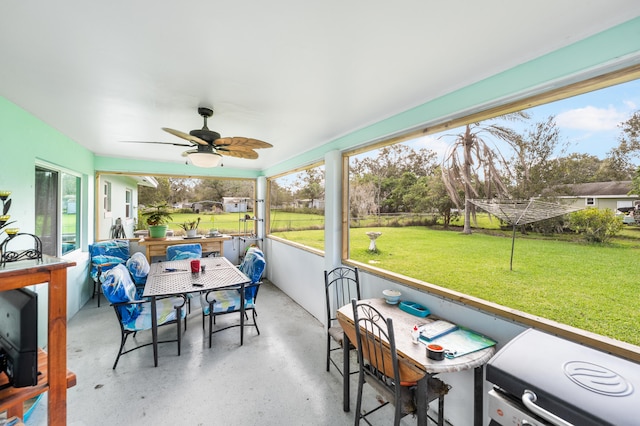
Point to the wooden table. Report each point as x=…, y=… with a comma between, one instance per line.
x=175, y=278
x=55, y=378
x=158, y=247
x=414, y=364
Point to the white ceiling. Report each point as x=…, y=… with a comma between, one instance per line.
x=293, y=73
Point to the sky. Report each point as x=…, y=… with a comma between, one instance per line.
x=588, y=122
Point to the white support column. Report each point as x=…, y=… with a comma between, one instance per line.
x=332, y=209
x=261, y=192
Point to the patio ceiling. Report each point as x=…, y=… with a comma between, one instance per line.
x=292, y=73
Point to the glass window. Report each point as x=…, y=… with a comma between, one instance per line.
x=57, y=200
x=296, y=207
x=106, y=196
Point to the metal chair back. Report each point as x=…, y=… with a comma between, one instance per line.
x=341, y=285
x=378, y=359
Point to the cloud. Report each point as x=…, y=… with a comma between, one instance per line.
x=439, y=146
x=591, y=118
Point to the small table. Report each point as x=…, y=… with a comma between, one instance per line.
x=175, y=278
x=158, y=247
x=413, y=359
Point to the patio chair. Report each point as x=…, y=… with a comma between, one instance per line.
x=104, y=256
x=341, y=285
x=138, y=267
x=181, y=252
x=228, y=301
x=134, y=315
x=380, y=368
x=184, y=251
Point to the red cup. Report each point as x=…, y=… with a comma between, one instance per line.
x=195, y=265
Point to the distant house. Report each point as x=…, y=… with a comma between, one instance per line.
x=602, y=195
x=309, y=203
x=235, y=204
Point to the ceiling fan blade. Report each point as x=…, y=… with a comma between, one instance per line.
x=238, y=153
x=186, y=136
x=160, y=143
x=245, y=142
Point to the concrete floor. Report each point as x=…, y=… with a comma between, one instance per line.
x=276, y=378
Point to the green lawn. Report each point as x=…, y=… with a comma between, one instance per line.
x=229, y=222
x=224, y=222
x=592, y=287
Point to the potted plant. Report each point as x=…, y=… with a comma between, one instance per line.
x=157, y=217
x=191, y=227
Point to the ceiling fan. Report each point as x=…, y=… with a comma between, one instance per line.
x=209, y=147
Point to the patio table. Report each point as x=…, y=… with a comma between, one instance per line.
x=175, y=278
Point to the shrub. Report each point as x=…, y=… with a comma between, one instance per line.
x=598, y=226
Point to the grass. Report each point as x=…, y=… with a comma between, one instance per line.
x=229, y=222
x=592, y=287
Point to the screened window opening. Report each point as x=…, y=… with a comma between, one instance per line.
x=296, y=210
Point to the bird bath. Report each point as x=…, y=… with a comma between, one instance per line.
x=373, y=236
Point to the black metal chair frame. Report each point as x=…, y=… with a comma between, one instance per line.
x=341, y=284
x=209, y=297
x=376, y=346
x=370, y=340
x=124, y=334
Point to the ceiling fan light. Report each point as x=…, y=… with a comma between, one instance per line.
x=205, y=159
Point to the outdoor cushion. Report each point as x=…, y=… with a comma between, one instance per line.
x=184, y=251
x=118, y=287
x=253, y=266
x=107, y=254
x=165, y=312
x=138, y=266
x=225, y=301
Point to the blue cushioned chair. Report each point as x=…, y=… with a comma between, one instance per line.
x=135, y=315
x=138, y=267
x=181, y=252
x=184, y=251
x=104, y=256
x=221, y=302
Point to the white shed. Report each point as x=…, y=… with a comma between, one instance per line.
x=235, y=204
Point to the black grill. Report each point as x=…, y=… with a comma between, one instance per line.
x=581, y=385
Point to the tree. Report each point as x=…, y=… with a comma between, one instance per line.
x=313, y=188
x=578, y=168
x=361, y=198
x=621, y=157
x=532, y=163
x=280, y=196
x=429, y=195
x=384, y=171
x=162, y=194
x=471, y=164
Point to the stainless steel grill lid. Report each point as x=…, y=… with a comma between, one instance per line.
x=582, y=385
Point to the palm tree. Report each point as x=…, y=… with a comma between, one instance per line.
x=472, y=164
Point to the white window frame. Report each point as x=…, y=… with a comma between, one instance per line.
x=106, y=198
x=59, y=231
